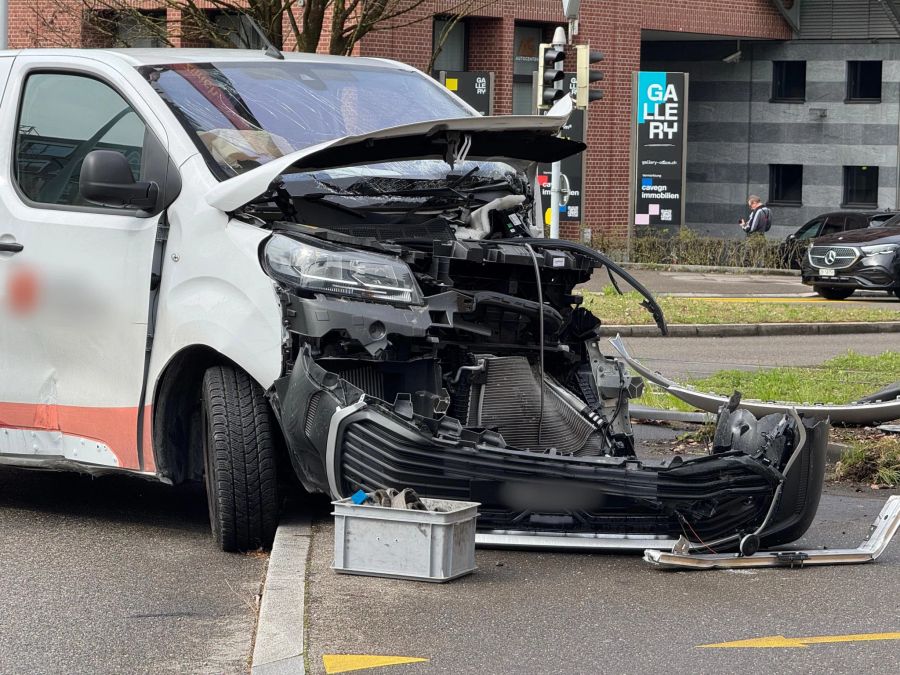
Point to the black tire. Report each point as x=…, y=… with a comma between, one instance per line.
x=239, y=460
x=897, y=293
x=834, y=293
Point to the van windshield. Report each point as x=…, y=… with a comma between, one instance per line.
x=244, y=114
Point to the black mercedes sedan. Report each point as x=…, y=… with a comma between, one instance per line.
x=837, y=265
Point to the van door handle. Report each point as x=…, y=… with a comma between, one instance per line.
x=11, y=246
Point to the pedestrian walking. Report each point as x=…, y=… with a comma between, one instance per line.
x=760, y=218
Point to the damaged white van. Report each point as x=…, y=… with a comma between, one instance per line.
x=226, y=266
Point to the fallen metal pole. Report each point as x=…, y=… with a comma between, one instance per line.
x=853, y=413
x=883, y=529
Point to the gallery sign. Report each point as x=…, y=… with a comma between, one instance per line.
x=474, y=87
x=660, y=143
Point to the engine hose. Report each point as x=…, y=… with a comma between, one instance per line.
x=649, y=303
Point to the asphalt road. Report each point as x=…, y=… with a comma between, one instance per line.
x=530, y=612
x=702, y=283
x=118, y=575
x=559, y=612
x=738, y=285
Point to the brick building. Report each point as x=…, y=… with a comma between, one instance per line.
x=687, y=35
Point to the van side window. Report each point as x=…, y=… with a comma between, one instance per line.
x=62, y=118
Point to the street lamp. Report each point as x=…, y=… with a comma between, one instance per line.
x=4, y=24
x=571, y=9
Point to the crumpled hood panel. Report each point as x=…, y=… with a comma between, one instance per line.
x=526, y=138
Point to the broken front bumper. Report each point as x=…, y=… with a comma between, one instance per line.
x=341, y=440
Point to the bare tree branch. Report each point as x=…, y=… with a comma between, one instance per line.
x=121, y=23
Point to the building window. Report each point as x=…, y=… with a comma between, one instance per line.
x=526, y=45
x=789, y=81
x=861, y=186
x=142, y=29
x=128, y=28
x=864, y=81
x=786, y=184
x=451, y=39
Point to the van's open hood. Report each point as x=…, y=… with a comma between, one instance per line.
x=527, y=138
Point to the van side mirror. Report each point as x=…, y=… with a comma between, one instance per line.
x=106, y=179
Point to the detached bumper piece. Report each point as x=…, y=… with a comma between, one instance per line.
x=883, y=529
x=342, y=441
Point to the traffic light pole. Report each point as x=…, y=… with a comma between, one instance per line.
x=559, y=42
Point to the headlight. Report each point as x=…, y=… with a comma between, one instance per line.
x=879, y=249
x=338, y=271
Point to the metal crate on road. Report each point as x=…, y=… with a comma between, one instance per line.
x=434, y=545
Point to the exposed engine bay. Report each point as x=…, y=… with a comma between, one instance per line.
x=432, y=341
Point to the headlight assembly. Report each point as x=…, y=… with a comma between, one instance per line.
x=879, y=249
x=324, y=268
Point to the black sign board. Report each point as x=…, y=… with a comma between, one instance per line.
x=571, y=167
x=660, y=135
x=474, y=87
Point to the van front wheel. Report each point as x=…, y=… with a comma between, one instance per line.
x=238, y=460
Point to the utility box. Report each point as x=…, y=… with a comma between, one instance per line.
x=433, y=545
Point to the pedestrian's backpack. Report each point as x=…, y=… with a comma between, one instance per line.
x=766, y=217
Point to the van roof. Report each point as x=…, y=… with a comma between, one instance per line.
x=161, y=56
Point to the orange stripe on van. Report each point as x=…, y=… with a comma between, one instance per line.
x=114, y=427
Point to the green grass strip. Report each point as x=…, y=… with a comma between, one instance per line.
x=842, y=379
x=624, y=310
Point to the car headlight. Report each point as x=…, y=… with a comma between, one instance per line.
x=325, y=268
x=879, y=249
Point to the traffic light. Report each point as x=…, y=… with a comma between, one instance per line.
x=586, y=77
x=550, y=75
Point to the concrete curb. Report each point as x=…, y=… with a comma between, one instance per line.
x=279, y=632
x=755, y=329
x=712, y=269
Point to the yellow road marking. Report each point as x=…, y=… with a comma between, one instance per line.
x=781, y=641
x=344, y=663
x=711, y=299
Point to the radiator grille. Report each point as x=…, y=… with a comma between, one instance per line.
x=833, y=257
x=366, y=377
x=510, y=401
